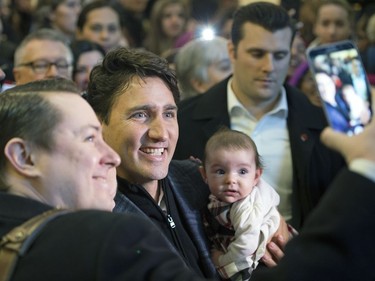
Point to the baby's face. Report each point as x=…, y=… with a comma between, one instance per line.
x=231, y=174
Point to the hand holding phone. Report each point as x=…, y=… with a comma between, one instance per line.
x=342, y=85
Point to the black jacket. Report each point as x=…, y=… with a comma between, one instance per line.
x=91, y=245
x=191, y=196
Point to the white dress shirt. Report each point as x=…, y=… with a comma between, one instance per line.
x=271, y=136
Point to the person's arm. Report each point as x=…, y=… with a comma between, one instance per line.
x=275, y=248
x=358, y=150
x=336, y=242
x=354, y=149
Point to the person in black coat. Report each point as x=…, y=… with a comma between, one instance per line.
x=254, y=100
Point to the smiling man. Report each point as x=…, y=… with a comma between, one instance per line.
x=64, y=151
x=134, y=94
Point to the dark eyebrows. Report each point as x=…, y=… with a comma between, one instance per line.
x=267, y=51
x=250, y=50
x=147, y=107
x=171, y=107
x=140, y=107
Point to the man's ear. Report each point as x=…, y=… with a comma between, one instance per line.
x=231, y=51
x=20, y=156
x=203, y=173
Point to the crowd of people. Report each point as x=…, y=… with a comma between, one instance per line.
x=162, y=27
x=233, y=177
x=165, y=26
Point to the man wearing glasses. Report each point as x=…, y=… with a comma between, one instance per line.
x=42, y=54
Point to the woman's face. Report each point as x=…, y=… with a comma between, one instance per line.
x=217, y=72
x=85, y=64
x=65, y=16
x=102, y=26
x=173, y=20
x=297, y=53
x=332, y=24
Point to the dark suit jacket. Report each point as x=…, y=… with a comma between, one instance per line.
x=191, y=195
x=337, y=240
x=91, y=245
x=314, y=166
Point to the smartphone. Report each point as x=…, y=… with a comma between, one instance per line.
x=342, y=85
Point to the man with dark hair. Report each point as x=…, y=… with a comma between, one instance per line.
x=134, y=94
x=255, y=100
x=54, y=156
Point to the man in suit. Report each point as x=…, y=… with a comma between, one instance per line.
x=54, y=156
x=254, y=100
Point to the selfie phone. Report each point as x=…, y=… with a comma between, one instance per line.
x=342, y=85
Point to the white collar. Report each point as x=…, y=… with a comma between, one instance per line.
x=234, y=104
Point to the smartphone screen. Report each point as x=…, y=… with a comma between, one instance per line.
x=342, y=85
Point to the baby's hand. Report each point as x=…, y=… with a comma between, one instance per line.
x=215, y=254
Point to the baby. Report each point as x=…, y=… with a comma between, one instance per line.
x=242, y=214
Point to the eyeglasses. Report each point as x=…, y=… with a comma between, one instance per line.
x=42, y=66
